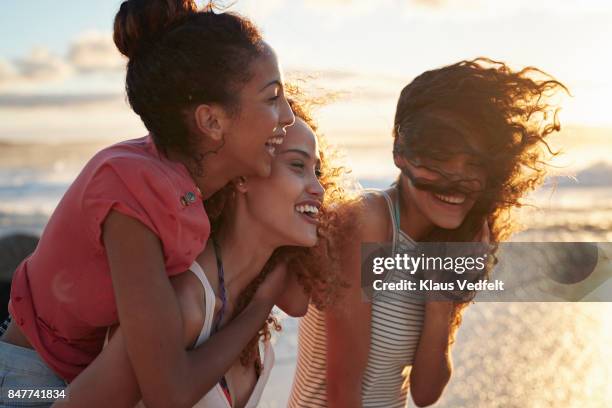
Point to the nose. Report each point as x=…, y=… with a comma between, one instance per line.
x=315, y=188
x=286, y=117
x=457, y=166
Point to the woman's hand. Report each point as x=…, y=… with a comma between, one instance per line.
x=270, y=289
x=293, y=300
x=432, y=367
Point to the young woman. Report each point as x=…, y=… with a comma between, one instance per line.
x=469, y=140
x=209, y=90
x=259, y=221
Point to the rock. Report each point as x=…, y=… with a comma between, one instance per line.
x=13, y=249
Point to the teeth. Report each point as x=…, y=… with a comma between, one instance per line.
x=307, y=209
x=275, y=140
x=271, y=149
x=451, y=199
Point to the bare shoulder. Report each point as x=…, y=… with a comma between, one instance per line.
x=370, y=214
x=374, y=217
x=192, y=301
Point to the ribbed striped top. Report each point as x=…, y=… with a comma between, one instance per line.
x=397, y=320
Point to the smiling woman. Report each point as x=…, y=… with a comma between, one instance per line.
x=470, y=142
x=210, y=92
x=196, y=98
x=258, y=223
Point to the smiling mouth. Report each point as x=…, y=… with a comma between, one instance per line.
x=453, y=199
x=272, y=143
x=307, y=210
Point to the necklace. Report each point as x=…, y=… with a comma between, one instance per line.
x=223, y=295
x=222, y=292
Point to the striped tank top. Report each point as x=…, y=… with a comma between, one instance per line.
x=397, y=320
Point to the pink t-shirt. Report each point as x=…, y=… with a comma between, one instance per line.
x=62, y=295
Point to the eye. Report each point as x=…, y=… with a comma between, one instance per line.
x=318, y=173
x=275, y=97
x=298, y=164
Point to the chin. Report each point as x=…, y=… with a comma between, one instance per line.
x=449, y=224
x=305, y=239
x=265, y=170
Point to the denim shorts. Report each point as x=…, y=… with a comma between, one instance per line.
x=22, y=370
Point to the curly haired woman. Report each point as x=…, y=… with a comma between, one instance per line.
x=210, y=92
x=470, y=142
x=258, y=223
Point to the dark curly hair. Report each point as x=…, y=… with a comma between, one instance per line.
x=316, y=268
x=181, y=57
x=505, y=112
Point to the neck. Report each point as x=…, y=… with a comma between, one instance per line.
x=212, y=174
x=414, y=222
x=245, y=250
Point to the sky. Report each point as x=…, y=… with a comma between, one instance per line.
x=61, y=78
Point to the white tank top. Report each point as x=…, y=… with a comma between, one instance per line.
x=216, y=398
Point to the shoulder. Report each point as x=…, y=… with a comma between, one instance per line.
x=374, y=217
x=138, y=155
x=133, y=171
x=368, y=221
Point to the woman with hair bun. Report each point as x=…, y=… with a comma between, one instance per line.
x=256, y=224
x=209, y=90
x=470, y=140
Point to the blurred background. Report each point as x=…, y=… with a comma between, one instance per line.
x=62, y=98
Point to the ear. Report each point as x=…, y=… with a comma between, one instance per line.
x=399, y=160
x=211, y=120
x=241, y=184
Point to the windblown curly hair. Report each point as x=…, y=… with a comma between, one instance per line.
x=316, y=268
x=481, y=102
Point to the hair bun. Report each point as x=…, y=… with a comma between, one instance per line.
x=141, y=21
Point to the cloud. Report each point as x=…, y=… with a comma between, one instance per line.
x=33, y=100
x=346, y=85
x=38, y=66
x=95, y=52
x=7, y=71
x=41, y=64
x=91, y=52
x=306, y=74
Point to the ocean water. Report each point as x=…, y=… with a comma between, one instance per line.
x=33, y=178
x=506, y=354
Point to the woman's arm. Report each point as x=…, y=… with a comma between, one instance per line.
x=293, y=300
x=348, y=339
x=348, y=321
x=162, y=371
x=432, y=365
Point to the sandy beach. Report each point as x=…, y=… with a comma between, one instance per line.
x=507, y=355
